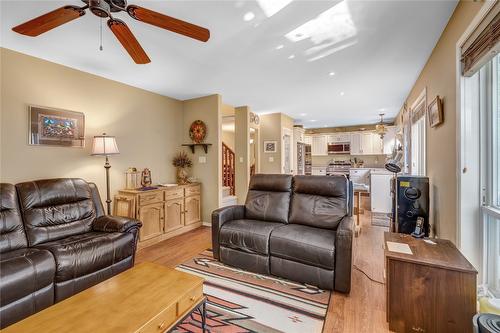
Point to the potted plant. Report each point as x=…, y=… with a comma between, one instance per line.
x=182, y=162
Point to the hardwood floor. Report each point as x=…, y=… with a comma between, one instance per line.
x=363, y=310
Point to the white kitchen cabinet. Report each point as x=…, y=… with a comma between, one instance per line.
x=389, y=140
x=339, y=137
x=380, y=192
x=377, y=144
x=366, y=143
x=356, y=143
x=319, y=145
x=308, y=139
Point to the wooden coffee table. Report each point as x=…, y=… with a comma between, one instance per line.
x=146, y=298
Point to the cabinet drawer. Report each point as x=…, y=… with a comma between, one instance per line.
x=174, y=194
x=149, y=198
x=187, y=301
x=192, y=190
x=162, y=321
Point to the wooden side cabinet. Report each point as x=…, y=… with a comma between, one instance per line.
x=164, y=212
x=432, y=290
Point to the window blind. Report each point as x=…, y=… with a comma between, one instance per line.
x=483, y=43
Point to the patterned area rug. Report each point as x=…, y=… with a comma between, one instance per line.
x=381, y=219
x=244, y=302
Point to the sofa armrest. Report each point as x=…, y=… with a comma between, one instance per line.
x=221, y=216
x=107, y=223
x=343, y=254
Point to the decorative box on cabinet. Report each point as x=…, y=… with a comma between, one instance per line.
x=164, y=212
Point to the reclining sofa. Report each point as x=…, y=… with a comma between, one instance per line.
x=299, y=228
x=55, y=241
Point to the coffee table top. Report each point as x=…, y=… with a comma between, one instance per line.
x=123, y=303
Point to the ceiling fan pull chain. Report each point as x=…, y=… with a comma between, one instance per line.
x=100, y=36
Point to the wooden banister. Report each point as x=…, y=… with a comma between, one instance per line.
x=228, y=167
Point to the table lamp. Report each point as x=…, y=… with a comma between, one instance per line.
x=104, y=145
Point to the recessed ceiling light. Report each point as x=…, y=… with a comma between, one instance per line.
x=249, y=16
x=313, y=120
x=381, y=109
x=342, y=93
x=331, y=73
x=279, y=47
x=291, y=56
x=303, y=114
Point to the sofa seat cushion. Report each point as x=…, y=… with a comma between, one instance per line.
x=304, y=244
x=23, y=272
x=250, y=236
x=82, y=254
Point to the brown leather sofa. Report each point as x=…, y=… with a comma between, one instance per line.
x=55, y=241
x=299, y=228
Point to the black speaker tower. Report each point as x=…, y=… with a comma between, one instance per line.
x=412, y=203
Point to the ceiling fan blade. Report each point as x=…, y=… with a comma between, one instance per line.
x=128, y=40
x=49, y=21
x=169, y=23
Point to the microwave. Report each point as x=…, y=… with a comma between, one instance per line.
x=339, y=148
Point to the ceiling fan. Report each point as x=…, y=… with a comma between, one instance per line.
x=104, y=9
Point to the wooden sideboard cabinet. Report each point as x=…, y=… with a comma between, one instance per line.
x=432, y=290
x=164, y=212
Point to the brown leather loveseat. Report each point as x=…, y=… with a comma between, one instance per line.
x=299, y=228
x=55, y=241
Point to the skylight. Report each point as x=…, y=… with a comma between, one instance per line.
x=271, y=7
x=327, y=31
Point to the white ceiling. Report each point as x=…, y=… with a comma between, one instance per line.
x=375, y=48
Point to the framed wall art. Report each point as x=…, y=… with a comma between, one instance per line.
x=56, y=127
x=270, y=146
x=435, y=112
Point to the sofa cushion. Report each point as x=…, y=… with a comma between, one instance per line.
x=319, y=201
x=23, y=272
x=55, y=208
x=268, y=198
x=82, y=254
x=12, y=234
x=245, y=235
x=304, y=244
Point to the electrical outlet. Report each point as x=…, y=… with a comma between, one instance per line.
x=241, y=159
x=202, y=159
x=271, y=159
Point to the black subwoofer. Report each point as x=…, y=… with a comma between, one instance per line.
x=412, y=203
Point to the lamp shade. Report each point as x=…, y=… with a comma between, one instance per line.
x=104, y=145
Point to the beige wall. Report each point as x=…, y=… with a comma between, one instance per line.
x=207, y=109
x=146, y=125
x=228, y=139
x=271, y=129
x=242, y=152
x=440, y=78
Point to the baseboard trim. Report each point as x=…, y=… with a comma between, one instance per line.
x=206, y=224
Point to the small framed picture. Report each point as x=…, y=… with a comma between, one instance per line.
x=56, y=127
x=270, y=146
x=435, y=112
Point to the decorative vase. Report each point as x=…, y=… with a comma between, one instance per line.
x=182, y=176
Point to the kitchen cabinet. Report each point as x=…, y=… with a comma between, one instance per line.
x=319, y=145
x=339, y=137
x=377, y=145
x=380, y=192
x=152, y=217
x=389, y=140
x=362, y=143
x=308, y=139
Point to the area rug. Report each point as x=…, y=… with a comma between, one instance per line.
x=381, y=219
x=244, y=302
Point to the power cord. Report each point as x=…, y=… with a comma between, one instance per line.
x=369, y=277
